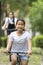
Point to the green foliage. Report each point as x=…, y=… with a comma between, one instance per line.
x=38, y=41
x=22, y=5
x=35, y=11
x=3, y=41
x=36, y=16
x=30, y=2
x=18, y=4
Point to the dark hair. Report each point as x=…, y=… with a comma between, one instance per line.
x=20, y=20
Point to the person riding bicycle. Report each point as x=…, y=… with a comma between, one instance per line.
x=20, y=40
x=10, y=23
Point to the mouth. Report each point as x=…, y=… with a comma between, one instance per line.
x=19, y=28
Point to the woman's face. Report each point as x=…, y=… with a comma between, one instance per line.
x=20, y=26
x=11, y=15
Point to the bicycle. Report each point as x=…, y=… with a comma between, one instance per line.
x=18, y=57
x=10, y=30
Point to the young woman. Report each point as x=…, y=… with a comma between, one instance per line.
x=10, y=22
x=20, y=41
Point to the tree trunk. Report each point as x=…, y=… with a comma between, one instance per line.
x=0, y=18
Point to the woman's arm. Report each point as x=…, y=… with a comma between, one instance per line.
x=15, y=20
x=9, y=44
x=29, y=47
x=5, y=26
x=29, y=44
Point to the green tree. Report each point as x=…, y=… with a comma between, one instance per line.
x=22, y=5
x=36, y=16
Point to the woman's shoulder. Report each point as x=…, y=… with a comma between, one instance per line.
x=12, y=33
x=26, y=32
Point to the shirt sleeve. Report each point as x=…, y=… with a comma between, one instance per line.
x=6, y=19
x=11, y=37
x=29, y=35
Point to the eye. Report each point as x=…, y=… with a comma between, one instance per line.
x=19, y=24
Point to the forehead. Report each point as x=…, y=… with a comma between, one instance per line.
x=20, y=22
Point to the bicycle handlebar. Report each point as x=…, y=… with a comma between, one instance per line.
x=18, y=52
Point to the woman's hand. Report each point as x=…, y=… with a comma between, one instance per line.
x=3, y=28
x=29, y=53
x=6, y=51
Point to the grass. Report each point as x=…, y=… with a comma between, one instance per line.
x=35, y=59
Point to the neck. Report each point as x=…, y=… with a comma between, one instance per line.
x=19, y=33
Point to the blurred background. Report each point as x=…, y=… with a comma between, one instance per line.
x=32, y=12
